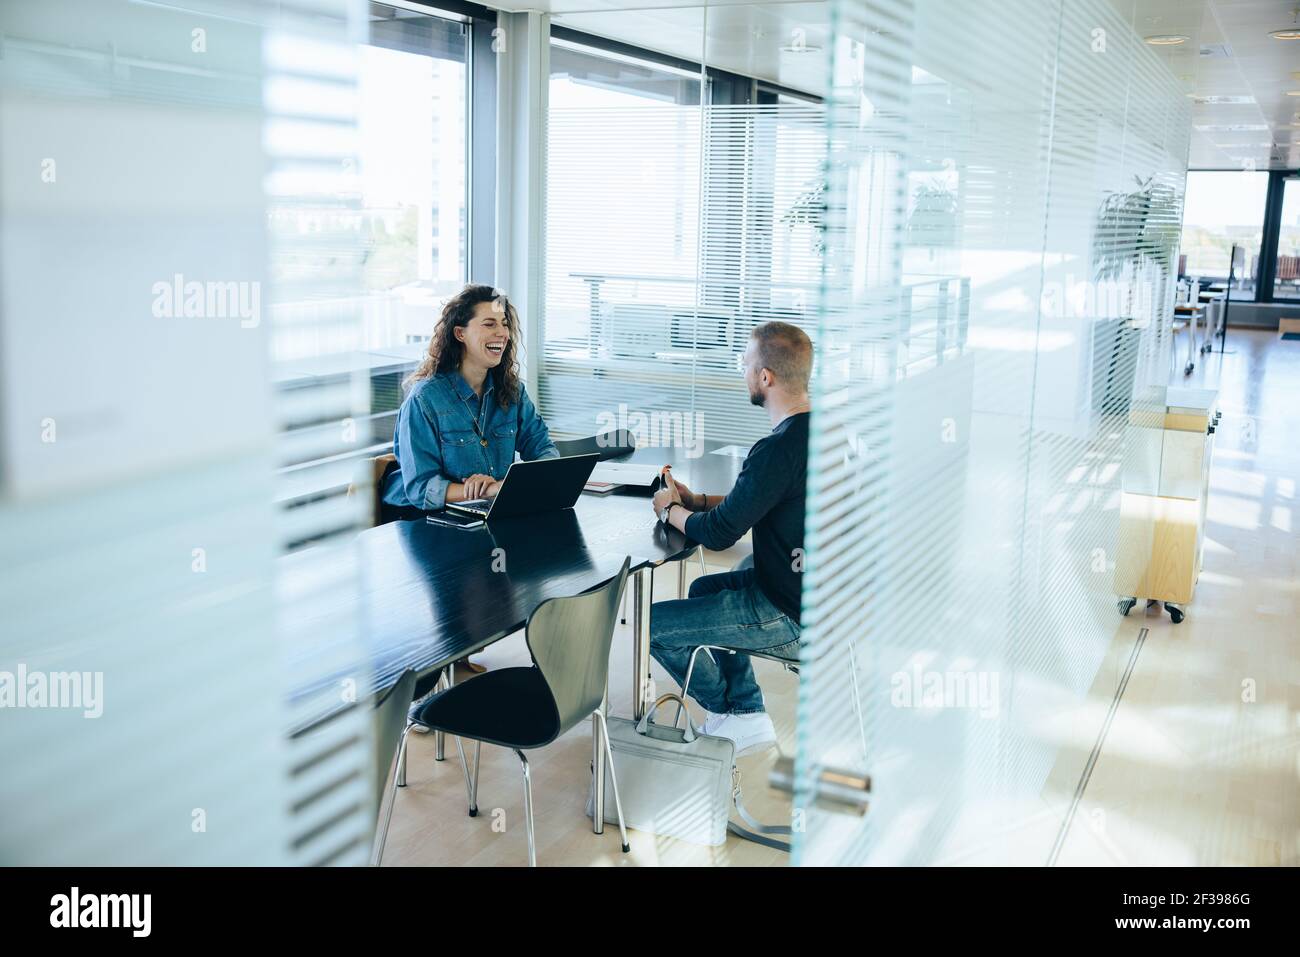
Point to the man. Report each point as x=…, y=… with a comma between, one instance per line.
x=754, y=606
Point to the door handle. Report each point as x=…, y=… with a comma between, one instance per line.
x=834, y=789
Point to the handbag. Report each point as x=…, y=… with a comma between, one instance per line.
x=673, y=782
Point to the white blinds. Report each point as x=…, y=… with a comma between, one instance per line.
x=317, y=239
x=672, y=230
x=1005, y=189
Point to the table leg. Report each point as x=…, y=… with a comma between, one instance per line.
x=439, y=738
x=642, y=593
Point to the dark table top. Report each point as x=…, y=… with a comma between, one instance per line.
x=428, y=595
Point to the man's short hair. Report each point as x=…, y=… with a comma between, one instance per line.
x=786, y=350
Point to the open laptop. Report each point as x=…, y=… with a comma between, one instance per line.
x=543, y=485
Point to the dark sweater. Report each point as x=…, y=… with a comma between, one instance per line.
x=769, y=498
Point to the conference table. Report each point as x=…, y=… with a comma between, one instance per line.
x=428, y=595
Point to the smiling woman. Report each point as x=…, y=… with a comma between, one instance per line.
x=466, y=413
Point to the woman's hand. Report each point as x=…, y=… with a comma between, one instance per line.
x=479, y=486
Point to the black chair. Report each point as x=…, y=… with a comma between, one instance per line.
x=608, y=445
x=388, y=722
x=527, y=708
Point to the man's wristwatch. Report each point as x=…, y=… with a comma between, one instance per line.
x=663, y=513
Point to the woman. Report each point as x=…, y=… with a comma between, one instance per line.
x=466, y=413
x=464, y=417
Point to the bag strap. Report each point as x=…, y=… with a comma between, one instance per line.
x=688, y=734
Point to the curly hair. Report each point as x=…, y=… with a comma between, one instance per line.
x=446, y=351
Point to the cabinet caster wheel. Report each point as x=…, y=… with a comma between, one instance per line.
x=1175, y=613
x=1126, y=605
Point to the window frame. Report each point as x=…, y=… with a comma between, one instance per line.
x=1270, y=231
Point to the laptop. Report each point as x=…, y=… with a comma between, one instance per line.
x=543, y=485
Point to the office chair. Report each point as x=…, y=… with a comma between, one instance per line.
x=376, y=470
x=527, y=708
x=388, y=721
x=760, y=833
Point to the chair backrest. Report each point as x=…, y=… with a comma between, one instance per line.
x=569, y=639
x=374, y=471
x=607, y=445
x=388, y=721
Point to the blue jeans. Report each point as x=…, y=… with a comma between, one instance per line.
x=730, y=610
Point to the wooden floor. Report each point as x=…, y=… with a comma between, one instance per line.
x=1201, y=764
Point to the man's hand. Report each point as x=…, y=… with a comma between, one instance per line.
x=684, y=494
x=663, y=497
x=667, y=494
x=480, y=486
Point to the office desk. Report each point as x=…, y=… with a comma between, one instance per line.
x=429, y=595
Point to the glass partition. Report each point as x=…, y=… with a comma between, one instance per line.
x=994, y=308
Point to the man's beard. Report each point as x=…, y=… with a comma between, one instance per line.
x=757, y=398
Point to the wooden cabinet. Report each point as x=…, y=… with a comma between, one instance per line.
x=1164, y=498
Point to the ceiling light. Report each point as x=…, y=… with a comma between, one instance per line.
x=1166, y=39
x=1219, y=100
x=1292, y=32
x=1231, y=128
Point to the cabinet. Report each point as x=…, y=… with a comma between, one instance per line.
x=1165, y=494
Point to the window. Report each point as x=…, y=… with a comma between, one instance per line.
x=1286, y=277
x=1223, y=209
x=412, y=124
x=673, y=228
x=622, y=224
x=371, y=238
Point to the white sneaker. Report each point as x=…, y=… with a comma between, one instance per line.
x=750, y=733
x=710, y=721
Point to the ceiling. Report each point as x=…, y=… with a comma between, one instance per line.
x=1228, y=54
x=786, y=43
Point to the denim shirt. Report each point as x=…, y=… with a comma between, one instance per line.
x=436, y=442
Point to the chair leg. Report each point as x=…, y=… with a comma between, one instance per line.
x=390, y=798
x=681, y=579
x=401, y=757
x=613, y=781
x=704, y=568
x=528, y=809
x=471, y=784
x=686, y=682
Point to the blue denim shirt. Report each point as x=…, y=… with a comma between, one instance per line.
x=436, y=442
